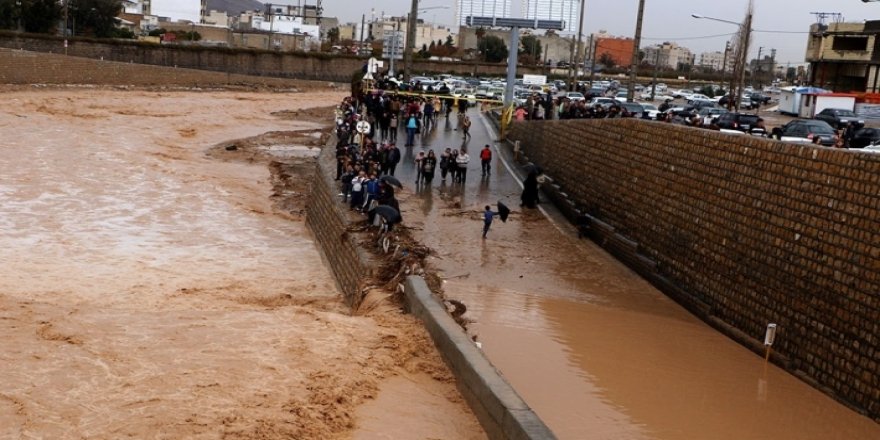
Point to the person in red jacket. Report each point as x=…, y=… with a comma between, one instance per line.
x=486, y=160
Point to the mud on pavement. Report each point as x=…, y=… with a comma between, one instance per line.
x=151, y=288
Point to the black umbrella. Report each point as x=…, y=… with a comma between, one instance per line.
x=391, y=180
x=530, y=168
x=503, y=211
x=390, y=214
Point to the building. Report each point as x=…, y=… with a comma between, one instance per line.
x=845, y=57
x=555, y=48
x=216, y=18
x=669, y=56
x=714, y=61
x=481, y=8
x=426, y=33
x=566, y=10
x=176, y=10
x=612, y=51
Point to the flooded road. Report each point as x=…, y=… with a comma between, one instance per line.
x=148, y=290
x=594, y=349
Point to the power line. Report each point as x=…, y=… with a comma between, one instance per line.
x=704, y=37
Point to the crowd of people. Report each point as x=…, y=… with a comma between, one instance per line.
x=363, y=159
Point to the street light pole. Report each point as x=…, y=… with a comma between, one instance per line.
x=637, y=41
x=737, y=81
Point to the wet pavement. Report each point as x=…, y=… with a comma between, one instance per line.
x=594, y=349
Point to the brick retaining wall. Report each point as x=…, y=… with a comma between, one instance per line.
x=329, y=221
x=745, y=231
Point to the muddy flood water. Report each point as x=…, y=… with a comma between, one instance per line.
x=148, y=290
x=594, y=349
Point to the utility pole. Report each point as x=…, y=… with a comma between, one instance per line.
x=757, y=75
x=593, y=50
x=410, y=38
x=724, y=62
x=577, y=73
x=654, y=83
x=580, y=40
x=747, y=30
x=637, y=41
x=66, y=7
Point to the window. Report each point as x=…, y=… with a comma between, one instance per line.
x=849, y=43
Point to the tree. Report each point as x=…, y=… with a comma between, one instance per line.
x=333, y=35
x=423, y=52
x=97, y=16
x=790, y=74
x=607, y=60
x=493, y=48
x=449, y=42
x=39, y=16
x=530, y=46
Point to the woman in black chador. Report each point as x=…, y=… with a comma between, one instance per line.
x=530, y=190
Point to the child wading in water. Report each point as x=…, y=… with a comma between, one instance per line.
x=488, y=216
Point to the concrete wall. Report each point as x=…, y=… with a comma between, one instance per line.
x=741, y=230
x=22, y=67
x=252, y=62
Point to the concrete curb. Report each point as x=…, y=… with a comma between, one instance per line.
x=500, y=410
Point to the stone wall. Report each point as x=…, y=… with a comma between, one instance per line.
x=329, y=221
x=743, y=231
x=254, y=62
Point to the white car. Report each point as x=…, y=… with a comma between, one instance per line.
x=604, y=102
x=576, y=96
x=651, y=110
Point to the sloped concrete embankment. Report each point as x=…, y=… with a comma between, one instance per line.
x=500, y=410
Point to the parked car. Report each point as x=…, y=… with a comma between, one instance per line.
x=839, y=117
x=759, y=98
x=595, y=92
x=710, y=114
x=651, y=110
x=806, y=131
x=864, y=137
x=575, y=96
x=745, y=103
x=733, y=121
x=635, y=108
x=604, y=102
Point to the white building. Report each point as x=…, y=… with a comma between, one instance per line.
x=566, y=10
x=176, y=10
x=481, y=8
x=668, y=55
x=713, y=60
x=285, y=24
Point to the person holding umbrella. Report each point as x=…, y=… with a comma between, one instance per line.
x=489, y=216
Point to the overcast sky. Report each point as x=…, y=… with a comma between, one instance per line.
x=665, y=19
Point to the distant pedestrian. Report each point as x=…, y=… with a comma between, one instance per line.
x=445, y=157
x=488, y=216
x=429, y=165
x=393, y=158
x=462, y=165
x=486, y=160
x=466, y=126
x=412, y=123
x=419, y=158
